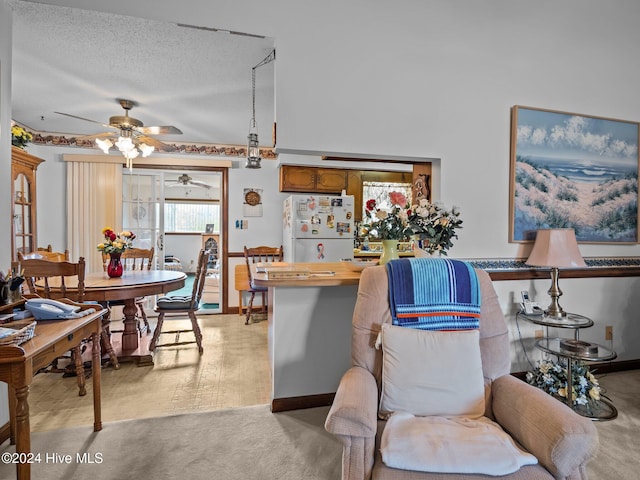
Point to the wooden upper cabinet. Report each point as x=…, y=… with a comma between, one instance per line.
x=331, y=180
x=23, y=194
x=303, y=179
x=295, y=178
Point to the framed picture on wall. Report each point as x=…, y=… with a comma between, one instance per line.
x=209, y=228
x=573, y=171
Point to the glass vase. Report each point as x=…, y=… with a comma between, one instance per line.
x=389, y=251
x=114, y=269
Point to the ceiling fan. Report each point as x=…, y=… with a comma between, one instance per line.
x=185, y=180
x=130, y=128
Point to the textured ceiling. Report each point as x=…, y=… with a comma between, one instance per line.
x=79, y=61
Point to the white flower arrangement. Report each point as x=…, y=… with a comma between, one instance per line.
x=434, y=225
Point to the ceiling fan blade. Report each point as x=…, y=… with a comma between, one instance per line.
x=94, y=136
x=85, y=119
x=196, y=183
x=160, y=130
x=160, y=146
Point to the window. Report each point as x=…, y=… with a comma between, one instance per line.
x=379, y=191
x=189, y=216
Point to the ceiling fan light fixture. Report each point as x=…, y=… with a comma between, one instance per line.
x=146, y=149
x=104, y=145
x=131, y=132
x=124, y=144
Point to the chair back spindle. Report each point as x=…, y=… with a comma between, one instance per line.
x=256, y=255
x=50, y=279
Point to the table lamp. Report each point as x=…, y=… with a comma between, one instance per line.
x=556, y=248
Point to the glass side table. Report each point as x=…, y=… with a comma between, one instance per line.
x=571, y=321
x=585, y=351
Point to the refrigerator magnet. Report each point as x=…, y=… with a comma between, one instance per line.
x=330, y=219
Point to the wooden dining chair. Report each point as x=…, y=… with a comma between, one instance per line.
x=45, y=255
x=181, y=305
x=61, y=280
x=134, y=259
x=255, y=255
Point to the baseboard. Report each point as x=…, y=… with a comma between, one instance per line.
x=298, y=403
x=326, y=399
x=5, y=433
x=601, y=367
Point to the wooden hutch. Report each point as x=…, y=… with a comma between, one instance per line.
x=23, y=194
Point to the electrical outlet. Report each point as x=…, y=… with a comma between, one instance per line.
x=608, y=332
x=539, y=333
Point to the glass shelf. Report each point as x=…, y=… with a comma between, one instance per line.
x=572, y=320
x=555, y=347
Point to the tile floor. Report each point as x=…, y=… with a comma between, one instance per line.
x=233, y=371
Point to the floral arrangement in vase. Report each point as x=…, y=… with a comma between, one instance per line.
x=116, y=242
x=387, y=225
x=434, y=226
x=19, y=136
x=552, y=378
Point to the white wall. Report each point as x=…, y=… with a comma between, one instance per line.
x=5, y=161
x=438, y=79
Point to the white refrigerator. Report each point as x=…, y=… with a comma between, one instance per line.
x=318, y=228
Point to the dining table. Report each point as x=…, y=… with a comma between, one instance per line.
x=129, y=344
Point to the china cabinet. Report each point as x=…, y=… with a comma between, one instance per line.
x=23, y=194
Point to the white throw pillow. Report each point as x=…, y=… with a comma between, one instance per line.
x=431, y=372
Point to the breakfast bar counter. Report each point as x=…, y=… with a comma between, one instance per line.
x=309, y=332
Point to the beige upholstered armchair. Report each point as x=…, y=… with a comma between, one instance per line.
x=561, y=440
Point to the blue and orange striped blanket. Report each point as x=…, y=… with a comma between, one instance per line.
x=434, y=294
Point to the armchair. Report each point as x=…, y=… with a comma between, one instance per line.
x=561, y=440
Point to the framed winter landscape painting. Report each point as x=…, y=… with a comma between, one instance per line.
x=573, y=171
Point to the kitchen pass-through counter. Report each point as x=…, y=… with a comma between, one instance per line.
x=309, y=332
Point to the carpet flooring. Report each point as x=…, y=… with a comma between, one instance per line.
x=251, y=443
x=248, y=443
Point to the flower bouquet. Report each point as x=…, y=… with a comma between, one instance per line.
x=19, y=136
x=552, y=378
x=387, y=225
x=116, y=242
x=434, y=226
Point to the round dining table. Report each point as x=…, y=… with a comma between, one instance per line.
x=128, y=344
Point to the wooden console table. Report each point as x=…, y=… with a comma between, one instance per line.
x=18, y=365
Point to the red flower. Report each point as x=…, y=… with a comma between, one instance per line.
x=371, y=204
x=111, y=236
x=398, y=198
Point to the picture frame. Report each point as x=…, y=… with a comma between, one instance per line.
x=577, y=171
x=209, y=228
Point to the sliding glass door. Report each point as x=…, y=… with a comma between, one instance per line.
x=143, y=210
x=178, y=213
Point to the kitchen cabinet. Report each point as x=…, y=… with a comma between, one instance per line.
x=304, y=179
x=23, y=195
x=312, y=179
